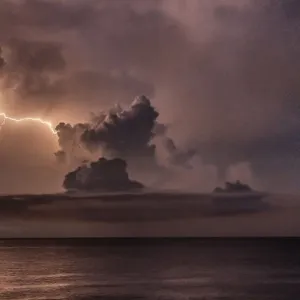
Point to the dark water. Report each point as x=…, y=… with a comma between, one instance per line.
x=150, y=269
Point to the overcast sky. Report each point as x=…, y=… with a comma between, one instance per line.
x=222, y=74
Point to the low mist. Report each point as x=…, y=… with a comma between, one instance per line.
x=144, y=217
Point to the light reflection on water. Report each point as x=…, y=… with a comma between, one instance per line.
x=176, y=270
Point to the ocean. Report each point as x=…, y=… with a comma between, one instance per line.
x=158, y=269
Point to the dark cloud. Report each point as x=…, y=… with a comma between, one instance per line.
x=42, y=13
x=30, y=72
x=289, y=9
x=119, y=132
x=129, y=133
x=34, y=56
x=126, y=132
x=102, y=175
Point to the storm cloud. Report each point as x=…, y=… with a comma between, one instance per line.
x=129, y=133
x=116, y=133
x=223, y=74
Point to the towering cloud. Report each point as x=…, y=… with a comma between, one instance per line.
x=128, y=133
x=125, y=132
x=118, y=132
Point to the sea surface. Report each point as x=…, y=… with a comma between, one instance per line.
x=138, y=269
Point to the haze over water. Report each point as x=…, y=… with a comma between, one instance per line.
x=149, y=269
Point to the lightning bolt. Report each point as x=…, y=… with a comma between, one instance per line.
x=39, y=120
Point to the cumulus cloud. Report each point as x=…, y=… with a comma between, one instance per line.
x=125, y=132
x=130, y=133
x=118, y=132
x=102, y=175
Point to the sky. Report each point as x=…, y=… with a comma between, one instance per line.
x=222, y=76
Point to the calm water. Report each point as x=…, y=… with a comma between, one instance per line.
x=153, y=269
